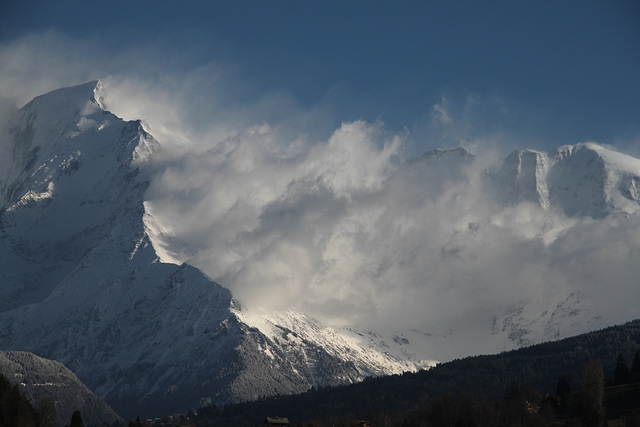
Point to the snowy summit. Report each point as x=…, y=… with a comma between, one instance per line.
x=89, y=277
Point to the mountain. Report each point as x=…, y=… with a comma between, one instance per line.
x=41, y=379
x=584, y=179
x=83, y=282
x=569, y=214
x=487, y=377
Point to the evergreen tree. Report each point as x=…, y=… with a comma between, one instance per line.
x=444, y=410
x=563, y=395
x=514, y=410
x=590, y=400
x=76, y=420
x=634, y=375
x=46, y=412
x=621, y=375
x=15, y=409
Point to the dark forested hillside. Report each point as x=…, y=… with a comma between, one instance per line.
x=488, y=378
x=15, y=409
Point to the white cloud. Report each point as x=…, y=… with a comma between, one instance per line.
x=289, y=215
x=38, y=63
x=440, y=113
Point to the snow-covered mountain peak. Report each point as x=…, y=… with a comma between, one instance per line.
x=613, y=160
x=66, y=132
x=66, y=98
x=84, y=282
x=454, y=154
x=90, y=278
x=72, y=169
x=585, y=179
x=99, y=95
x=61, y=111
x=590, y=180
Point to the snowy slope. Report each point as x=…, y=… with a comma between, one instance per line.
x=584, y=179
x=298, y=335
x=82, y=282
x=87, y=276
x=66, y=184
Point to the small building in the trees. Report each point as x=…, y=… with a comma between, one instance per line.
x=276, y=421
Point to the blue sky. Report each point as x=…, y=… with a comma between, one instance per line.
x=547, y=73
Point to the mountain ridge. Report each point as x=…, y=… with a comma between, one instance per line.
x=487, y=377
x=610, y=179
x=100, y=295
x=83, y=280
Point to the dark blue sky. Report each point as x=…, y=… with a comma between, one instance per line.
x=553, y=72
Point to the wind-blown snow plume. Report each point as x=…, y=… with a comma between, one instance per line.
x=287, y=211
x=342, y=230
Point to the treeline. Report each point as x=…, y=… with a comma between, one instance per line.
x=524, y=406
x=412, y=398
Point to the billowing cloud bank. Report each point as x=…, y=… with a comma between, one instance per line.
x=290, y=213
x=343, y=230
